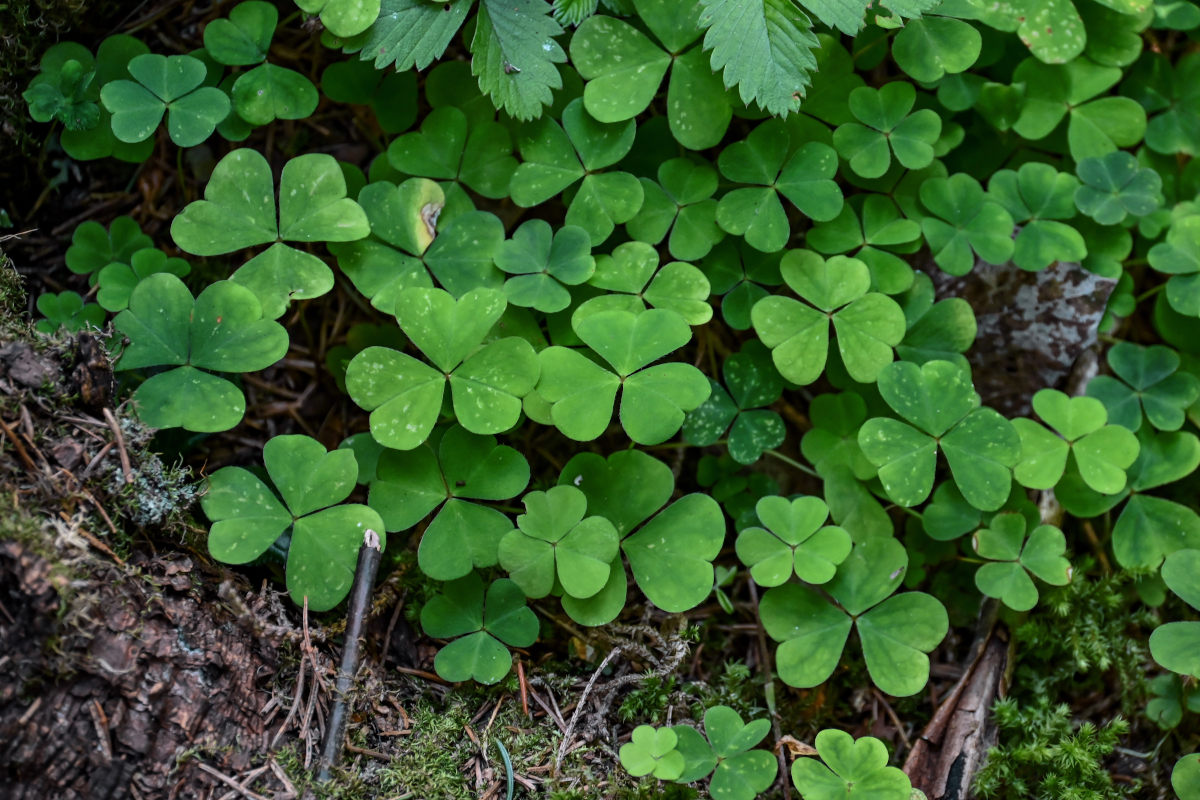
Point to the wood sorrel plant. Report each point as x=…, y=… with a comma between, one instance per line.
x=651, y=224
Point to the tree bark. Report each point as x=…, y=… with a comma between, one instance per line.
x=117, y=680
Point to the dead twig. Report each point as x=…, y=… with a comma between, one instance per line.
x=230, y=782
x=119, y=437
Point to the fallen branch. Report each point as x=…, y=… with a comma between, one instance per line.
x=356, y=615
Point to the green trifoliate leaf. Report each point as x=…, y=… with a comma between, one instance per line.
x=884, y=127
x=964, y=224
x=543, y=265
x=626, y=488
x=269, y=92
x=622, y=66
x=239, y=211
x=926, y=49
x=514, y=55
x=873, y=224
x=805, y=179
x=740, y=273
x=67, y=310
x=938, y=398
x=856, y=769
x=170, y=85
x=1150, y=383
x=222, y=330
x=671, y=556
x=1181, y=573
x=1038, y=197
x=1011, y=557
x=652, y=752
x=501, y=618
x=1102, y=452
x=868, y=324
x=1172, y=96
x=681, y=203
x=741, y=772
x=486, y=384
x=795, y=540
x=554, y=540
x=245, y=36
x=449, y=148
x=936, y=331
x=93, y=248
x=633, y=280
x=1114, y=188
x=118, y=280
x=1174, y=645
x=752, y=382
x=326, y=537
x=765, y=48
x=1179, y=257
x=654, y=400
x=1096, y=126
x=63, y=91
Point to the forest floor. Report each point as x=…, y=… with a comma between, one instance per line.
x=132, y=665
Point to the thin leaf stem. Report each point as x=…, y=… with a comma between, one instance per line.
x=791, y=462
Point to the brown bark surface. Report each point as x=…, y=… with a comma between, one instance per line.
x=121, y=692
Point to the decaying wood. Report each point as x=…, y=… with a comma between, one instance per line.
x=950, y=750
x=123, y=692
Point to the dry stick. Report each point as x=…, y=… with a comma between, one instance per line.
x=360, y=603
x=566, y=740
x=20, y=448
x=120, y=439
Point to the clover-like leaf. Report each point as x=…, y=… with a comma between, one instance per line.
x=409, y=485
x=448, y=147
x=930, y=47
x=1038, y=197
x=868, y=324
x=853, y=768
x=939, y=400
x=555, y=158
x=93, y=248
x=833, y=440
x=244, y=37
x=965, y=224
x=404, y=395
x=763, y=161
x=741, y=772
x=626, y=488
x=671, y=556
x=544, y=264
x=1185, y=776
x=239, y=211
x=652, y=752
x=872, y=228
x=680, y=203
x=885, y=127
x=63, y=89
x=1113, y=187
x=270, y=92
x=622, y=66
x=632, y=279
x=489, y=623
x=1176, y=645
x=1100, y=451
x=554, y=540
x=795, y=540
x=326, y=535
x=221, y=330
x=118, y=280
x=1172, y=95
x=896, y=632
x=67, y=310
x=753, y=382
x=1179, y=257
x=1011, y=557
x=1148, y=382
x=170, y=85
x=654, y=399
